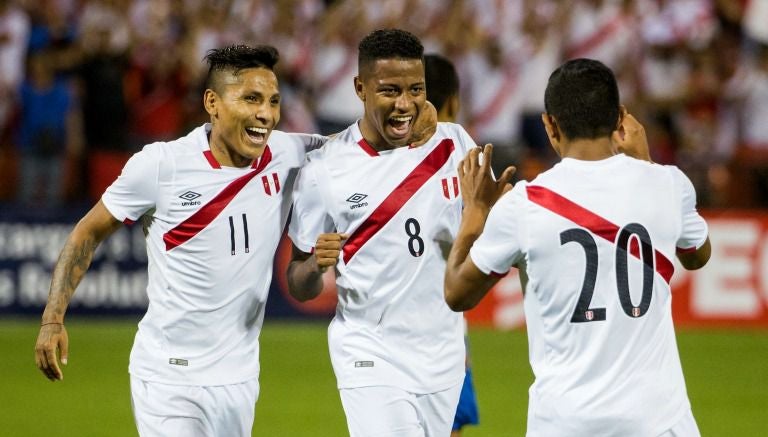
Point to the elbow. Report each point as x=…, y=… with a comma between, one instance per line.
x=695, y=264
x=303, y=293
x=697, y=259
x=455, y=300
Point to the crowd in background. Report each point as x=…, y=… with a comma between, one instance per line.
x=85, y=83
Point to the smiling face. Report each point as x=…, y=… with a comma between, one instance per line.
x=244, y=110
x=393, y=95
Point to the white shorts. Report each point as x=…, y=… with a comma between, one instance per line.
x=382, y=411
x=164, y=410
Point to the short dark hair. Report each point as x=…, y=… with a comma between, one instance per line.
x=583, y=97
x=235, y=58
x=442, y=81
x=388, y=44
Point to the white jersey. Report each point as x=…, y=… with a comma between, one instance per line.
x=596, y=240
x=210, y=248
x=402, y=209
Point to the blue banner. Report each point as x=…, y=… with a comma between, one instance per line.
x=115, y=284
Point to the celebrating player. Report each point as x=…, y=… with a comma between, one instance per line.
x=221, y=196
x=386, y=212
x=594, y=236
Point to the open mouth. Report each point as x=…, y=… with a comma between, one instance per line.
x=401, y=125
x=257, y=134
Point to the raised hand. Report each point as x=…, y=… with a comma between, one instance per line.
x=630, y=138
x=478, y=186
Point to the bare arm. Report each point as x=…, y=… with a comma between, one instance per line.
x=697, y=259
x=305, y=271
x=73, y=262
x=631, y=140
x=465, y=284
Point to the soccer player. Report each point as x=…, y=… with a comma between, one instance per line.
x=386, y=212
x=221, y=196
x=442, y=84
x=594, y=236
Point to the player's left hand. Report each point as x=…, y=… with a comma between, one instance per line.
x=479, y=189
x=425, y=125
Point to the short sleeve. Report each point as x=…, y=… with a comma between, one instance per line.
x=309, y=218
x=694, y=229
x=134, y=192
x=499, y=246
x=465, y=139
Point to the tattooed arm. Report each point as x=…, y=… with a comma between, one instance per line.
x=72, y=264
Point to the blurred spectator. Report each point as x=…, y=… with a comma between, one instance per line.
x=47, y=131
x=14, y=31
x=104, y=44
x=334, y=66
x=689, y=69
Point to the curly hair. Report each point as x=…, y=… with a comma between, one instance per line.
x=388, y=44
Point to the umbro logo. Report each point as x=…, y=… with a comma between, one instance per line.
x=189, y=197
x=357, y=200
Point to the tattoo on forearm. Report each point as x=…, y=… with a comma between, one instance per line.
x=72, y=264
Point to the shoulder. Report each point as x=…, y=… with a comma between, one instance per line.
x=336, y=147
x=195, y=142
x=451, y=130
x=457, y=133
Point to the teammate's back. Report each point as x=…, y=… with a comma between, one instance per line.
x=599, y=304
x=594, y=238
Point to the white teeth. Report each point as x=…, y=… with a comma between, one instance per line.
x=260, y=130
x=408, y=118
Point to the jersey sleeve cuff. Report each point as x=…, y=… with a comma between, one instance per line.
x=691, y=249
x=117, y=214
x=303, y=246
x=486, y=270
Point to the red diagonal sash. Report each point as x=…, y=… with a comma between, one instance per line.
x=397, y=198
x=593, y=222
x=205, y=215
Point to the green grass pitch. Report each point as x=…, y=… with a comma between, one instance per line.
x=726, y=372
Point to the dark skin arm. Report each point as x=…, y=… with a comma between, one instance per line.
x=465, y=284
x=631, y=140
x=305, y=271
x=73, y=262
x=696, y=259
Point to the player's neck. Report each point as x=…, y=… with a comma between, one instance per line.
x=372, y=137
x=226, y=157
x=588, y=150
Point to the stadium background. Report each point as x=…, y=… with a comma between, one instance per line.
x=693, y=71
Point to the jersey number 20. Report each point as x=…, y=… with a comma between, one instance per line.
x=583, y=313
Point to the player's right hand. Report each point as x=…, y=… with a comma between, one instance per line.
x=630, y=138
x=52, y=341
x=328, y=249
